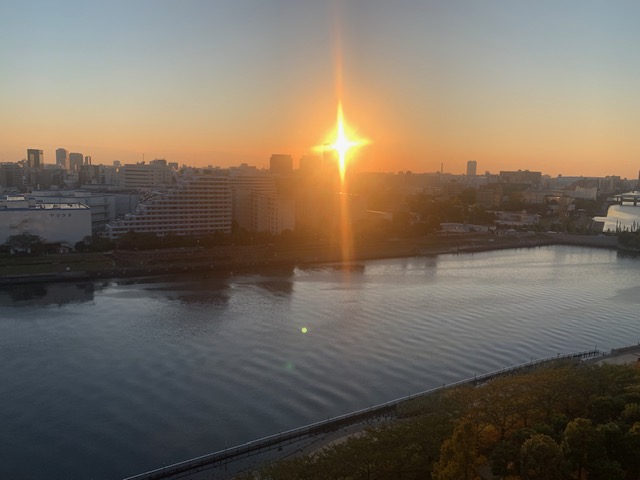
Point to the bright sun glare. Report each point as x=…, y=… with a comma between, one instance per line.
x=343, y=143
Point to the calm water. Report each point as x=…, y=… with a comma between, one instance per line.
x=111, y=379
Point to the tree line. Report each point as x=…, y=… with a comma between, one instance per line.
x=568, y=420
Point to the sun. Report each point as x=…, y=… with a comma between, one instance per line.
x=342, y=143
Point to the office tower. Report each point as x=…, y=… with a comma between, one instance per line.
x=62, y=158
x=35, y=159
x=280, y=163
x=472, y=166
x=75, y=162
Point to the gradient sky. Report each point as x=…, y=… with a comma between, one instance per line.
x=550, y=85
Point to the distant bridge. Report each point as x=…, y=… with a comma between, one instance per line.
x=265, y=444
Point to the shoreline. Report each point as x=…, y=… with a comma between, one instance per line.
x=312, y=438
x=136, y=264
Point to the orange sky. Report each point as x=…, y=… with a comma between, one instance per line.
x=530, y=85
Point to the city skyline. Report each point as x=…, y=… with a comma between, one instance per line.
x=511, y=85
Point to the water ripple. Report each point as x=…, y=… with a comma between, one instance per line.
x=118, y=378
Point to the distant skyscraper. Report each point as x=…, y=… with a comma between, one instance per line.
x=472, y=166
x=35, y=159
x=280, y=163
x=75, y=161
x=62, y=158
x=310, y=163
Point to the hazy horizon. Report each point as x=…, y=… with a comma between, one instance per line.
x=513, y=85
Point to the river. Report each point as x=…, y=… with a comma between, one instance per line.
x=107, y=379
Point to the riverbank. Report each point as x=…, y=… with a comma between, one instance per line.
x=310, y=439
x=127, y=264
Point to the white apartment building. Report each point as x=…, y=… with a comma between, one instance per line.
x=200, y=204
x=246, y=181
x=67, y=222
x=144, y=176
x=272, y=213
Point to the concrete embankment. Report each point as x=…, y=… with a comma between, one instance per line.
x=236, y=258
x=597, y=241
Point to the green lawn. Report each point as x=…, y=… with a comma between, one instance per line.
x=56, y=263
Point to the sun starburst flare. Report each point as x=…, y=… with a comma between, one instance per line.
x=342, y=143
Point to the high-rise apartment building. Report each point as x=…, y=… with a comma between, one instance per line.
x=35, y=159
x=200, y=204
x=472, y=167
x=75, y=162
x=281, y=164
x=11, y=176
x=272, y=213
x=245, y=182
x=62, y=158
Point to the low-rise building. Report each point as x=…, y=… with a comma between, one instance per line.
x=103, y=205
x=67, y=222
x=521, y=177
x=516, y=219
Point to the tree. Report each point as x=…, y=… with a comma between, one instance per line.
x=468, y=196
x=582, y=444
x=542, y=459
x=501, y=403
x=25, y=243
x=94, y=243
x=631, y=413
x=459, y=457
x=604, y=408
x=505, y=456
x=138, y=241
x=631, y=459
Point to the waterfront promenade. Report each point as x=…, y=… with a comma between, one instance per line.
x=232, y=461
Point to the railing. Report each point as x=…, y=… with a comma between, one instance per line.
x=331, y=424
